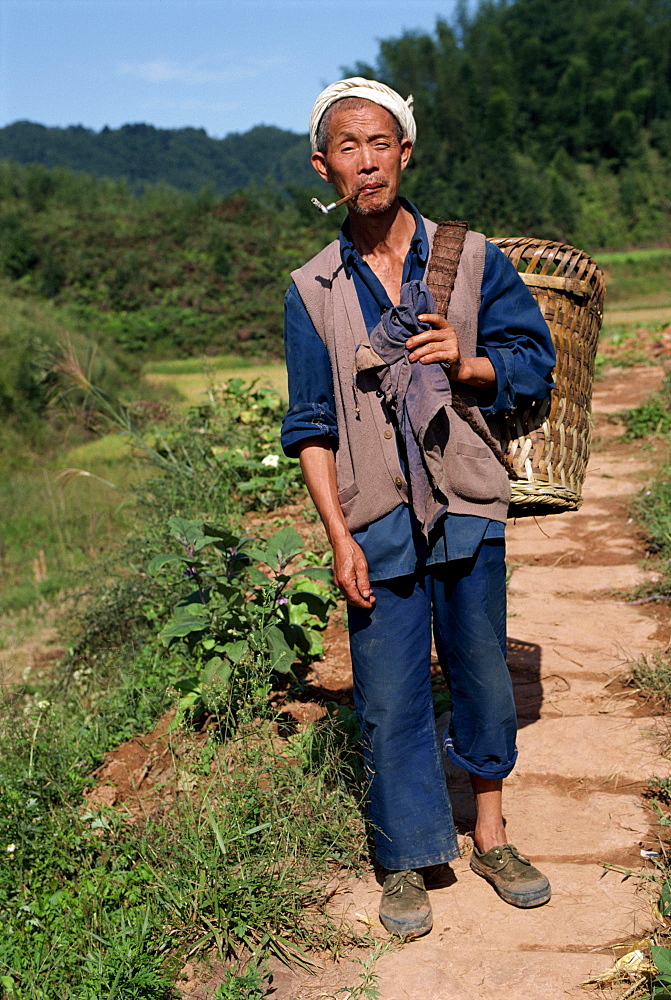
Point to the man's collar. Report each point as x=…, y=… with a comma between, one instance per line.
x=419, y=244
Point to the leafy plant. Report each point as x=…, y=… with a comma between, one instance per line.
x=661, y=985
x=239, y=624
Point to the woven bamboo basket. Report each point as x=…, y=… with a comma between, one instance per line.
x=548, y=444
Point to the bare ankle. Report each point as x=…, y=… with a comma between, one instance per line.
x=486, y=839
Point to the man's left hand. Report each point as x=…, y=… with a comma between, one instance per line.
x=441, y=344
x=437, y=345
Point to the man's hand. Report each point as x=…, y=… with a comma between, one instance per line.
x=442, y=345
x=350, y=569
x=437, y=345
x=350, y=572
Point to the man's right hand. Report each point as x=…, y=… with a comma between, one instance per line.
x=350, y=573
x=350, y=569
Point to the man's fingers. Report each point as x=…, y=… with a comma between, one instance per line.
x=360, y=597
x=435, y=319
x=352, y=579
x=362, y=581
x=435, y=352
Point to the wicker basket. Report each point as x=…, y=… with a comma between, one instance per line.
x=548, y=444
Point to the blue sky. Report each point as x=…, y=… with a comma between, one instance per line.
x=223, y=65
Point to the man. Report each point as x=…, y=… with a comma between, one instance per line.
x=401, y=576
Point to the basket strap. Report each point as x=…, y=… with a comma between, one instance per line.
x=448, y=244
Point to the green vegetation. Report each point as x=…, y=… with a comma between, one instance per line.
x=195, y=614
x=164, y=274
x=190, y=615
x=172, y=276
x=534, y=116
x=651, y=417
x=186, y=158
x=542, y=116
x=637, y=279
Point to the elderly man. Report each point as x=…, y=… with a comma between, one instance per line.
x=416, y=548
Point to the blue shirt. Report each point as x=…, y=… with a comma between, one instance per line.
x=511, y=333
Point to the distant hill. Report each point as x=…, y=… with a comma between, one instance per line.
x=186, y=158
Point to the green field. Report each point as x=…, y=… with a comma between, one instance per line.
x=192, y=377
x=638, y=283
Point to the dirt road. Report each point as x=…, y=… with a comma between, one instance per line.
x=586, y=750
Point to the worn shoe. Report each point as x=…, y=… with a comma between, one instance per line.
x=512, y=875
x=405, y=908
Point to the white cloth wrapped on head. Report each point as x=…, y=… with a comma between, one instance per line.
x=369, y=90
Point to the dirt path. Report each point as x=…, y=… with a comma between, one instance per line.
x=586, y=750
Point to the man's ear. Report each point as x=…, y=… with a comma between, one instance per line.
x=406, y=152
x=318, y=161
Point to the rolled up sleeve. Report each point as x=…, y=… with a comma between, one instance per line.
x=311, y=410
x=513, y=335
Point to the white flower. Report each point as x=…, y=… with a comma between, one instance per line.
x=43, y=705
x=11, y=848
x=272, y=460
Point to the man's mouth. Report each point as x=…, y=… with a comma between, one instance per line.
x=372, y=187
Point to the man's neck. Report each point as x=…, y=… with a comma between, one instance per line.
x=383, y=235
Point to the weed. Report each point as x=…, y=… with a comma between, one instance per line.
x=651, y=418
x=252, y=984
x=366, y=988
x=652, y=674
x=249, y=823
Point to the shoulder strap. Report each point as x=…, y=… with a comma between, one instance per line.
x=448, y=244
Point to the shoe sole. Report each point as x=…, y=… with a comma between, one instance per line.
x=523, y=900
x=407, y=935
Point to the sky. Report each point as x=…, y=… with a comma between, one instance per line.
x=221, y=65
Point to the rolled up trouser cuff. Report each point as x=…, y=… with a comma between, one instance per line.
x=491, y=770
x=399, y=862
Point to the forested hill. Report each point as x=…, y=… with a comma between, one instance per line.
x=543, y=116
x=186, y=158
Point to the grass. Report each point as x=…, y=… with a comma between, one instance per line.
x=55, y=527
x=193, y=378
x=195, y=366
x=634, y=257
x=651, y=675
x=94, y=907
x=637, y=279
x=622, y=345
x=251, y=819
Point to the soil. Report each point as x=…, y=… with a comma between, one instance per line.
x=575, y=802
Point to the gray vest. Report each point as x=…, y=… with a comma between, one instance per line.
x=370, y=480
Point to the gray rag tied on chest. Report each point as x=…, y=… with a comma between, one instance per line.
x=420, y=395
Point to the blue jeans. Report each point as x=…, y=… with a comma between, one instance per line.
x=465, y=600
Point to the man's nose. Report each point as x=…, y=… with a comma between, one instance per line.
x=367, y=160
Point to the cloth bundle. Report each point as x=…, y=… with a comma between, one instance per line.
x=420, y=395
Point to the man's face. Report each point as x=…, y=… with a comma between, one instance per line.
x=364, y=155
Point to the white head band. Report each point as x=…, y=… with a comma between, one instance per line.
x=370, y=90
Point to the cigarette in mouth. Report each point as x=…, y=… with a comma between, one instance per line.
x=334, y=204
